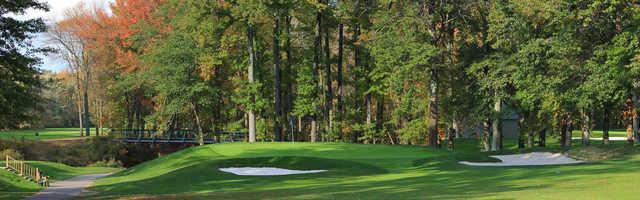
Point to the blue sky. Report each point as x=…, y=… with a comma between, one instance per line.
x=56, y=11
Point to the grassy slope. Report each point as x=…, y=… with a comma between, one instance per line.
x=15, y=187
x=44, y=134
x=369, y=172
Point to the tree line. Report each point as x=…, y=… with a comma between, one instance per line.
x=371, y=71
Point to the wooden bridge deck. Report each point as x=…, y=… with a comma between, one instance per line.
x=176, y=137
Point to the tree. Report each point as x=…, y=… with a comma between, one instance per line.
x=74, y=50
x=19, y=81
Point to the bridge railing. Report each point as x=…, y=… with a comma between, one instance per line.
x=25, y=170
x=180, y=136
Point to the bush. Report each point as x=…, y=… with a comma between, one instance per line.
x=111, y=162
x=11, y=152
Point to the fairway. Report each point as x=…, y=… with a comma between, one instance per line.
x=43, y=134
x=364, y=172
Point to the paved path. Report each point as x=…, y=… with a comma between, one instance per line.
x=66, y=189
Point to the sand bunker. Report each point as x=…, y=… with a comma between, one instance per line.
x=527, y=159
x=266, y=171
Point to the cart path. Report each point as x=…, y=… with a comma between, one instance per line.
x=66, y=189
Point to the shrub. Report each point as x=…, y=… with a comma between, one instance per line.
x=111, y=162
x=11, y=152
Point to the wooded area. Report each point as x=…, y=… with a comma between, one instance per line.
x=394, y=72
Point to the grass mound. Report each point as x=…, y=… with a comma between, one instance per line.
x=365, y=172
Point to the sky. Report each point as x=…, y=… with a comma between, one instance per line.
x=56, y=13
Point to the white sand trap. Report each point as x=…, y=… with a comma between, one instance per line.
x=527, y=159
x=600, y=138
x=266, y=171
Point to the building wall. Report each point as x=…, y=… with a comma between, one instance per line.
x=510, y=130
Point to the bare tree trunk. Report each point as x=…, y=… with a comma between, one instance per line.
x=486, y=135
x=369, y=110
x=586, y=127
x=379, y=113
x=433, y=110
x=563, y=132
x=85, y=102
x=200, y=134
x=496, y=139
x=520, y=132
x=569, y=133
x=79, y=103
x=251, y=77
x=314, y=130
x=316, y=68
x=635, y=117
x=290, y=78
x=80, y=115
x=328, y=89
x=455, y=124
x=605, y=125
x=277, y=128
x=530, y=136
x=340, y=55
x=99, y=120
x=543, y=137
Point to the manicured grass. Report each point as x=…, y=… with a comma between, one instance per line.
x=598, y=133
x=358, y=171
x=15, y=187
x=43, y=134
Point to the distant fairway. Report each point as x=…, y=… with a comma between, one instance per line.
x=357, y=171
x=43, y=134
x=598, y=133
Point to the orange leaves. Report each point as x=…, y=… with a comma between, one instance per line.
x=108, y=36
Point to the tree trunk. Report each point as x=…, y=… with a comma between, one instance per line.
x=199, y=126
x=530, y=137
x=520, y=132
x=563, y=132
x=251, y=77
x=85, y=102
x=314, y=130
x=496, y=137
x=635, y=117
x=79, y=103
x=316, y=68
x=455, y=124
x=328, y=89
x=605, y=126
x=486, y=135
x=543, y=137
x=379, y=113
x=290, y=78
x=433, y=110
x=99, y=120
x=340, y=55
x=586, y=127
x=569, y=133
x=80, y=115
x=277, y=128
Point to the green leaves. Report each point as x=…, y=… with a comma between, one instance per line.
x=19, y=81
